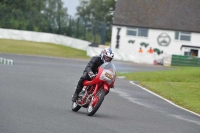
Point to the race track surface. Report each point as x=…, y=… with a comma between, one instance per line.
x=35, y=97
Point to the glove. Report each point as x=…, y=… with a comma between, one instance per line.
x=91, y=74
x=113, y=87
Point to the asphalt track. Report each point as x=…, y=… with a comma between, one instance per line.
x=35, y=97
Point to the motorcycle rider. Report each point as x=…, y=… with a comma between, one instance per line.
x=91, y=68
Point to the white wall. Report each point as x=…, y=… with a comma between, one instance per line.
x=173, y=48
x=44, y=37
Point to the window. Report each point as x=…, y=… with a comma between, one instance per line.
x=185, y=36
x=194, y=52
x=186, y=53
x=142, y=32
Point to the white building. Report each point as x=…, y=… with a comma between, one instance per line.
x=166, y=26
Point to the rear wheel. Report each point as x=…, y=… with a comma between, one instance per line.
x=75, y=107
x=96, y=102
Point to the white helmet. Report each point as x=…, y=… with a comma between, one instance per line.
x=107, y=55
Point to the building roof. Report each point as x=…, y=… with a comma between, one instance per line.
x=181, y=15
x=189, y=46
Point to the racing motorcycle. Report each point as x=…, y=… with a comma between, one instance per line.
x=94, y=91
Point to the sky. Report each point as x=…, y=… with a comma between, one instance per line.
x=71, y=6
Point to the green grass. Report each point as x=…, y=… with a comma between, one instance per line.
x=36, y=48
x=181, y=85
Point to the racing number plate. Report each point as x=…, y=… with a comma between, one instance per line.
x=108, y=76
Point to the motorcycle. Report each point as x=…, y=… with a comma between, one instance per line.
x=94, y=91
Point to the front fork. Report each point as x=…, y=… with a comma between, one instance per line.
x=95, y=90
x=106, y=88
x=95, y=99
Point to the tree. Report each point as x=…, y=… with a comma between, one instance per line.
x=98, y=13
x=100, y=10
x=55, y=14
x=37, y=15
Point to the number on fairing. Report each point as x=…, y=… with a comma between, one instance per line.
x=108, y=76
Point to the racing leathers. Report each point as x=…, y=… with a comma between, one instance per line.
x=91, y=68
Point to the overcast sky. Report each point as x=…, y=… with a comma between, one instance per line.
x=71, y=6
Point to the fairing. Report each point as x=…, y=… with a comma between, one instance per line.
x=106, y=74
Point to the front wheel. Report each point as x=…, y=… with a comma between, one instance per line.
x=96, y=102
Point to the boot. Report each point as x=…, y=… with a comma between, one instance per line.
x=76, y=93
x=75, y=96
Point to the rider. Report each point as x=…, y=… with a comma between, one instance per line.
x=91, y=68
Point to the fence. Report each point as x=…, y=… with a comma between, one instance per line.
x=178, y=60
x=90, y=30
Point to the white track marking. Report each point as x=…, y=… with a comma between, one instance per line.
x=128, y=97
x=164, y=98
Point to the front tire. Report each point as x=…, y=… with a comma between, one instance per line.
x=93, y=109
x=75, y=107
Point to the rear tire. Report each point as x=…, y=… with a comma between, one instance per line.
x=75, y=107
x=92, y=110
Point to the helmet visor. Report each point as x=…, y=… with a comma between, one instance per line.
x=107, y=59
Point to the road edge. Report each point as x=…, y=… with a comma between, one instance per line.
x=164, y=98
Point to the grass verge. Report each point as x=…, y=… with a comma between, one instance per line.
x=181, y=86
x=36, y=48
